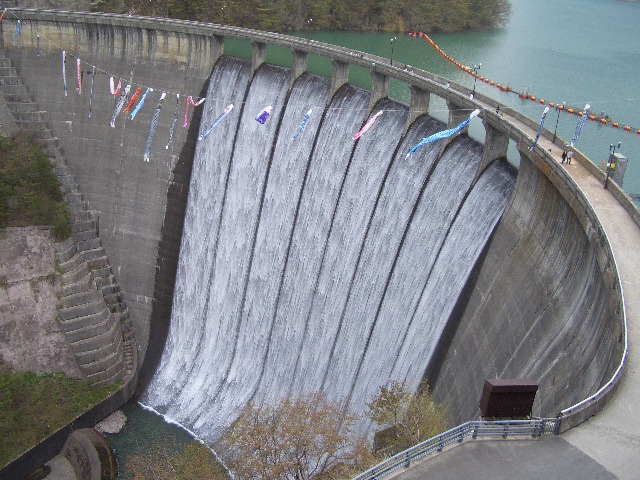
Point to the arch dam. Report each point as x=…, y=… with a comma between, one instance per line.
x=543, y=300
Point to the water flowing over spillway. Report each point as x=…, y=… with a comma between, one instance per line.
x=320, y=263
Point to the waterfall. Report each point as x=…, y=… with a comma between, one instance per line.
x=320, y=263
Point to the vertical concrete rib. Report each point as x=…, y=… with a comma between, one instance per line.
x=217, y=48
x=379, y=87
x=299, y=64
x=258, y=56
x=339, y=77
x=495, y=147
x=419, y=105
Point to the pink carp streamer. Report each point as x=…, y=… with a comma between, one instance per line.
x=186, y=112
x=367, y=125
x=79, y=75
x=115, y=91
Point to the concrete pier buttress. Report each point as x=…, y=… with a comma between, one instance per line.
x=258, y=55
x=340, y=76
x=419, y=104
x=299, y=64
x=379, y=87
x=495, y=146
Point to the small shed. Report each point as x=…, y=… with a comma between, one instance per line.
x=508, y=398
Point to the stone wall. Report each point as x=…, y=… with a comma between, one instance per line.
x=31, y=338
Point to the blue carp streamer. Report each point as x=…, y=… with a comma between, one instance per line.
x=303, y=124
x=544, y=114
x=137, y=109
x=216, y=121
x=583, y=119
x=443, y=134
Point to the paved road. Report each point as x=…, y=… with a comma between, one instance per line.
x=607, y=446
x=547, y=458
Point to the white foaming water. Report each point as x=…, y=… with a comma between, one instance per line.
x=315, y=264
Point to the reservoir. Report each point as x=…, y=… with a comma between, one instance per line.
x=575, y=51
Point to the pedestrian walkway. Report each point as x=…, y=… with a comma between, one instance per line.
x=607, y=446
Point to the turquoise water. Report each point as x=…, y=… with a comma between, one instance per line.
x=573, y=51
x=142, y=430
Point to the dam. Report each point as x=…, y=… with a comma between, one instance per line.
x=322, y=264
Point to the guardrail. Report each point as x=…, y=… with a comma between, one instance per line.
x=533, y=428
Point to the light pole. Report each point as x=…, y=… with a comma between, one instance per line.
x=393, y=41
x=309, y=22
x=610, y=163
x=475, y=77
x=557, y=118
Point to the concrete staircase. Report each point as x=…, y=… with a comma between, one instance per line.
x=92, y=313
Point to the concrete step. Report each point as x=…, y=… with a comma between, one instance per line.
x=9, y=78
x=33, y=116
x=79, y=323
x=72, y=276
x=73, y=197
x=79, y=258
x=87, y=309
x=114, y=374
x=96, y=336
x=100, y=359
x=14, y=90
x=5, y=62
x=53, y=152
x=19, y=107
x=84, y=284
x=83, y=226
x=103, y=347
x=7, y=71
x=41, y=135
x=34, y=126
x=81, y=298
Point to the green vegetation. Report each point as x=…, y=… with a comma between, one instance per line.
x=33, y=407
x=29, y=190
x=168, y=462
x=352, y=15
x=407, y=418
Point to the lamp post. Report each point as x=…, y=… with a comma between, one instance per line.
x=610, y=163
x=393, y=41
x=309, y=22
x=475, y=77
x=557, y=118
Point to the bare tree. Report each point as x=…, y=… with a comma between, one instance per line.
x=295, y=439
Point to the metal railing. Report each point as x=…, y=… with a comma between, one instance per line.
x=533, y=428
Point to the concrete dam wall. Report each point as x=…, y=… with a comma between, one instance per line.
x=537, y=300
